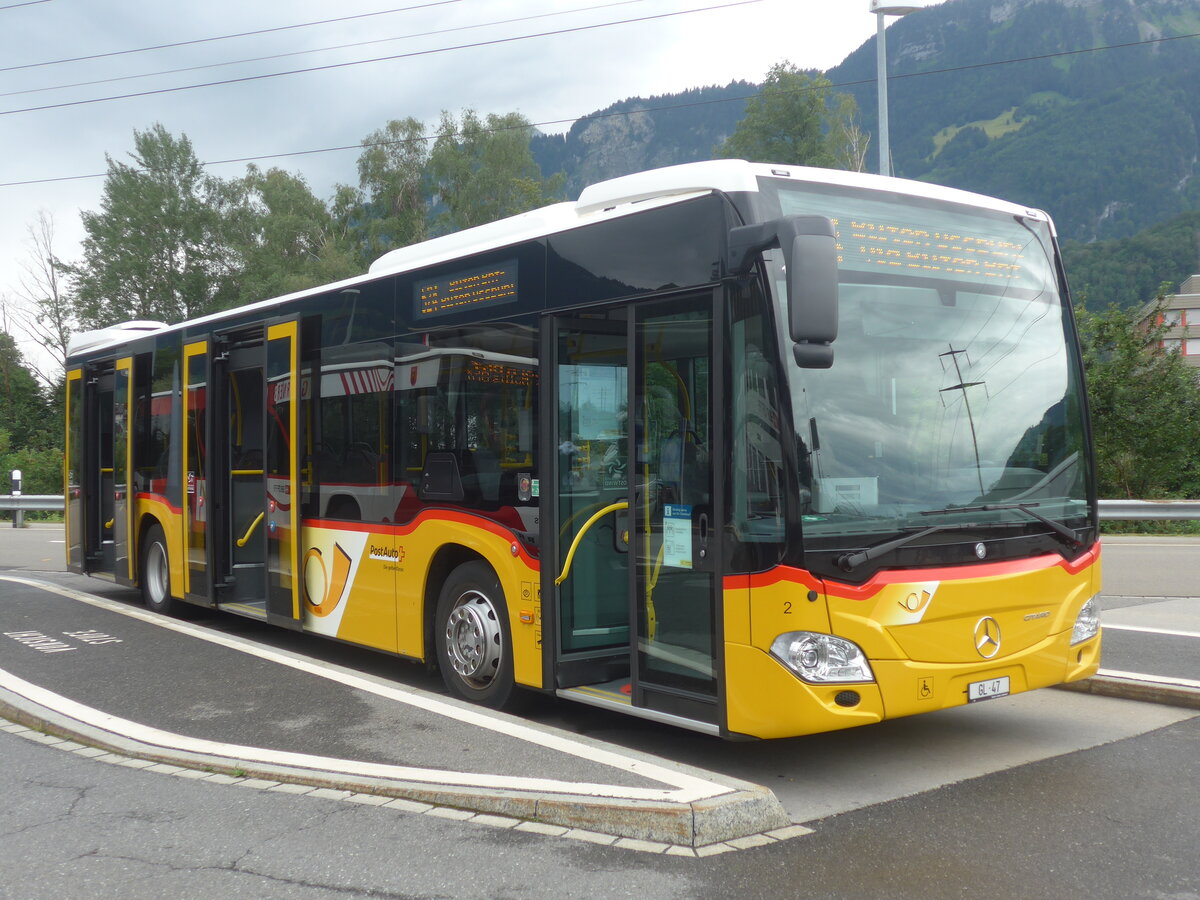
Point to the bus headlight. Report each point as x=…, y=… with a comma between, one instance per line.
x=821, y=658
x=1087, y=623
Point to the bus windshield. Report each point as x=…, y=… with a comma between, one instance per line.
x=954, y=394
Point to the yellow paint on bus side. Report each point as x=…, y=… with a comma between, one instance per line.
x=367, y=583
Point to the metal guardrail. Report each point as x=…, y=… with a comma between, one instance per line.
x=1150, y=509
x=32, y=502
x=1109, y=509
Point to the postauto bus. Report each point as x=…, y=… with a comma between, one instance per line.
x=754, y=450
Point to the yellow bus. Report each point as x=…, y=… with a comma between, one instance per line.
x=754, y=450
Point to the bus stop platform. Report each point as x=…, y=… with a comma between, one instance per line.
x=105, y=673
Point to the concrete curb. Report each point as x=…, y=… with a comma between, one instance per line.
x=1145, y=688
x=748, y=809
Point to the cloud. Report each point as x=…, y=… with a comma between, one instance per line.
x=546, y=78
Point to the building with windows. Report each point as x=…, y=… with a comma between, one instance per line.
x=1181, y=314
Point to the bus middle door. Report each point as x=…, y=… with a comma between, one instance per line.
x=254, y=519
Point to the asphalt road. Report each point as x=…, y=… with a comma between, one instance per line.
x=1047, y=794
x=1117, y=821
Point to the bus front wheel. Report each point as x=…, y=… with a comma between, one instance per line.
x=155, y=573
x=474, y=645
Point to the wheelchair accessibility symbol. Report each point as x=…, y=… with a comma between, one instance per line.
x=925, y=688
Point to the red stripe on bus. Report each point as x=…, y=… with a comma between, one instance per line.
x=424, y=517
x=904, y=576
x=159, y=498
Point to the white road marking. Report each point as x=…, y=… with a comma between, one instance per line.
x=687, y=788
x=1167, y=631
x=239, y=753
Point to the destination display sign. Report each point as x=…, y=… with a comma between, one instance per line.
x=897, y=236
x=500, y=373
x=457, y=292
x=865, y=244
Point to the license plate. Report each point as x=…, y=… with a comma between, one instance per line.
x=987, y=690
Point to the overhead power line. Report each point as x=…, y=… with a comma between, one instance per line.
x=616, y=114
x=219, y=37
x=27, y=3
x=360, y=62
x=253, y=59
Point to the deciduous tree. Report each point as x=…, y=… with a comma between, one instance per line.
x=48, y=311
x=23, y=408
x=154, y=250
x=795, y=119
x=483, y=170
x=283, y=237
x=392, y=178
x=1145, y=407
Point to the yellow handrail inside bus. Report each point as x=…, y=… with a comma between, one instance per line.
x=245, y=471
x=612, y=507
x=242, y=541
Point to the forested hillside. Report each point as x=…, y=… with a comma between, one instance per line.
x=1128, y=271
x=1004, y=97
x=1105, y=140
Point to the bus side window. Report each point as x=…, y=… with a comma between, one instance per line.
x=352, y=441
x=469, y=396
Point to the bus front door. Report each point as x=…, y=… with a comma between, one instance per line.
x=253, y=523
x=634, y=518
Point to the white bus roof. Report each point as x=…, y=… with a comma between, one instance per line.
x=601, y=201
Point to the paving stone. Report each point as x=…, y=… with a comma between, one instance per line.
x=641, y=846
x=412, y=806
x=592, y=837
x=449, y=812
x=542, y=828
x=495, y=821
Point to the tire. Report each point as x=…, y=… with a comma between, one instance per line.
x=474, y=643
x=155, y=574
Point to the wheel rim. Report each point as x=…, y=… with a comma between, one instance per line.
x=474, y=641
x=157, y=573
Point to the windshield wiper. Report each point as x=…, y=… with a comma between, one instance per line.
x=849, y=561
x=1059, y=528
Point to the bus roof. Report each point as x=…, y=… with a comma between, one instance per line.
x=601, y=201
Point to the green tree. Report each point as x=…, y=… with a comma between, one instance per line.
x=1145, y=407
x=155, y=249
x=41, y=467
x=795, y=119
x=23, y=407
x=483, y=170
x=281, y=237
x=392, y=178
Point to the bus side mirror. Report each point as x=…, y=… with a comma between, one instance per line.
x=810, y=255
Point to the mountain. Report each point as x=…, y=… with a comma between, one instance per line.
x=1008, y=97
x=643, y=133
x=1128, y=271
x=1003, y=97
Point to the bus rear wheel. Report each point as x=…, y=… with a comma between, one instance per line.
x=155, y=573
x=474, y=644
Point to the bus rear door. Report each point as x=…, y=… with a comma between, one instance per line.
x=98, y=470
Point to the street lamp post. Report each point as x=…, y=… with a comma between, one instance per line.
x=882, y=9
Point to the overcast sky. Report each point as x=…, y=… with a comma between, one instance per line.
x=550, y=78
